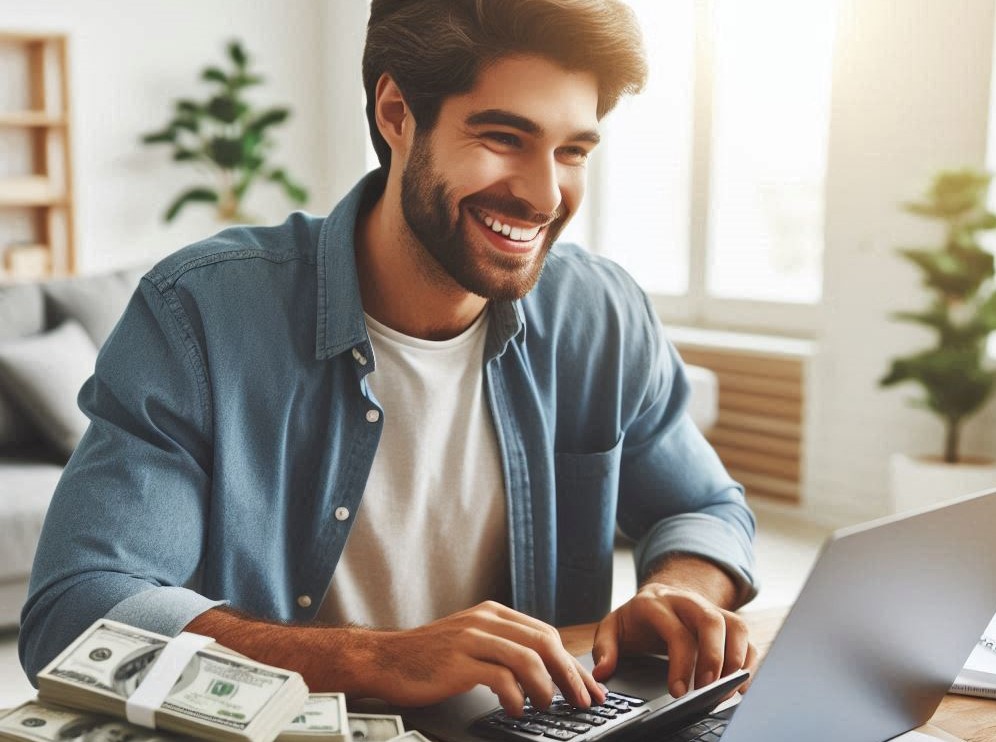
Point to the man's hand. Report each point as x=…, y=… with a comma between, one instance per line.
x=511, y=653
x=672, y=613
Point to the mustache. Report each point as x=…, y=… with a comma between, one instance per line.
x=515, y=208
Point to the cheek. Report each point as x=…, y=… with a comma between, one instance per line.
x=573, y=182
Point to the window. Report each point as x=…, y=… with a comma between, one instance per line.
x=710, y=185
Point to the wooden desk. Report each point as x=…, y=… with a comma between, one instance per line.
x=964, y=717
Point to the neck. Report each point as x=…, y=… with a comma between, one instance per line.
x=399, y=289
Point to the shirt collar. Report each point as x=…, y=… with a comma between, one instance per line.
x=341, y=324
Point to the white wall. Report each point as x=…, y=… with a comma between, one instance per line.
x=910, y=96
x=130, y=60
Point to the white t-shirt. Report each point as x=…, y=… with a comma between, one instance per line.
x=431, y=534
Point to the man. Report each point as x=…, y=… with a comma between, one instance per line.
x=407, y=353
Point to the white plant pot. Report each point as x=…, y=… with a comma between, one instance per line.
x=919, y=482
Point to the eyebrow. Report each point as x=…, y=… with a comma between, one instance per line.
x=496, y=116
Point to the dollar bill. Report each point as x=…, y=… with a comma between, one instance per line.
x=375, y=727
x=40, y=722
x=323, y=717
x=218, y=694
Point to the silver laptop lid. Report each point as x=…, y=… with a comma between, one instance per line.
x=888, y=616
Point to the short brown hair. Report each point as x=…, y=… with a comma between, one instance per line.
x=434, y=49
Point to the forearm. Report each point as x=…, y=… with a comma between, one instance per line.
x=328, y=658
x=690, y=572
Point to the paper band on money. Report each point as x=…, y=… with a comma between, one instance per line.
x=143, y=703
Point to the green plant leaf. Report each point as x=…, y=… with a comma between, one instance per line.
x=189, y=123
x=186, y=155
x=225, y=108
x=294, y=191
x=242, y=80
x=214, y=74
x=206, y=195
x=267, y=119
x=237, y=54
x=188, y=107
x=167, y=136
x=226, y=151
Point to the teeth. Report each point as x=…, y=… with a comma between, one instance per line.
x=518, y=234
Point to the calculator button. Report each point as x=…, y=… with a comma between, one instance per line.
x=604, y=712
x=587, y=718
x=556, y=733
x=631, y=700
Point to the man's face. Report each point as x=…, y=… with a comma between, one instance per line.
x=489, y=188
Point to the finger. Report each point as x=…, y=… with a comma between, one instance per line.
x=681, y=645
x=595, y=689
x=526, y=665
x=502, y=683
x=573, y=679
x=708, y=623
x=737, y=643
x=605, y=649
x=751, y=663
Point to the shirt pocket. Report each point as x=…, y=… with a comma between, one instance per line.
x=587, y=492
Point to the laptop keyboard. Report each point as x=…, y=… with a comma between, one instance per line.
x=562, y=721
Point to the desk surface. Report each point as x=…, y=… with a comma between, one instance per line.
x=967, y=718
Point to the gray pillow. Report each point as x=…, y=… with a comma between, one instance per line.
x=22, y=313
x=22, y=310
x=96, y=302
x=43, y=375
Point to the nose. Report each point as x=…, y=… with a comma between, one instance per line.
x=538, y=184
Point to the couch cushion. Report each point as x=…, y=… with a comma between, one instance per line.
x=43, y=375
x=27, y=487
x=22, y=313
x=96, y=302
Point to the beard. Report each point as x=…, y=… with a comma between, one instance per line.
x=443, y=235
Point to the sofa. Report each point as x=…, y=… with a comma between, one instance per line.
x=50, y=333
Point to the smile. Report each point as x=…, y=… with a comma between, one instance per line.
x=516, y=234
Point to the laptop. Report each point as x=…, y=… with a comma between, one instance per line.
x=884, y=623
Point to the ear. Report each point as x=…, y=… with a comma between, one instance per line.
x=394, y=118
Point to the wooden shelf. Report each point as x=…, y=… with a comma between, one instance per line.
x=31, y=118
x=47, y=186
x=29, y=190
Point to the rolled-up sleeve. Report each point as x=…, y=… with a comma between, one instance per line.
x=675, y=495
x=125, y=532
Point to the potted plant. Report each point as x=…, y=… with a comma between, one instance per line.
x=953, y=371
x=228, y=139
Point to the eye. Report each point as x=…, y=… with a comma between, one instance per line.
x=574, y=155
x=503, y=138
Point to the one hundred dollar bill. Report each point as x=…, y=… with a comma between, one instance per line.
x=322, y=718
x=375, y=727
x=218, y=694
x=41, y=722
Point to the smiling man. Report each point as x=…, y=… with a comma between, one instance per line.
x=390, y=448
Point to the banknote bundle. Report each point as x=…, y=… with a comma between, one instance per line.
x=35, y=721
x=219, y=695
x=322, y=718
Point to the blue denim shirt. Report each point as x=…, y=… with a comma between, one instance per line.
x=232, y=432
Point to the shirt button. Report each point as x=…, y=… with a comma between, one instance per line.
x=304, y=601
x=342, y=513
x=360, y=358
x=372, y=416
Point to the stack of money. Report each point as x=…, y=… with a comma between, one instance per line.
x=42, y=722
x=219, y=695
x=322, y=718
x=375, y=727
